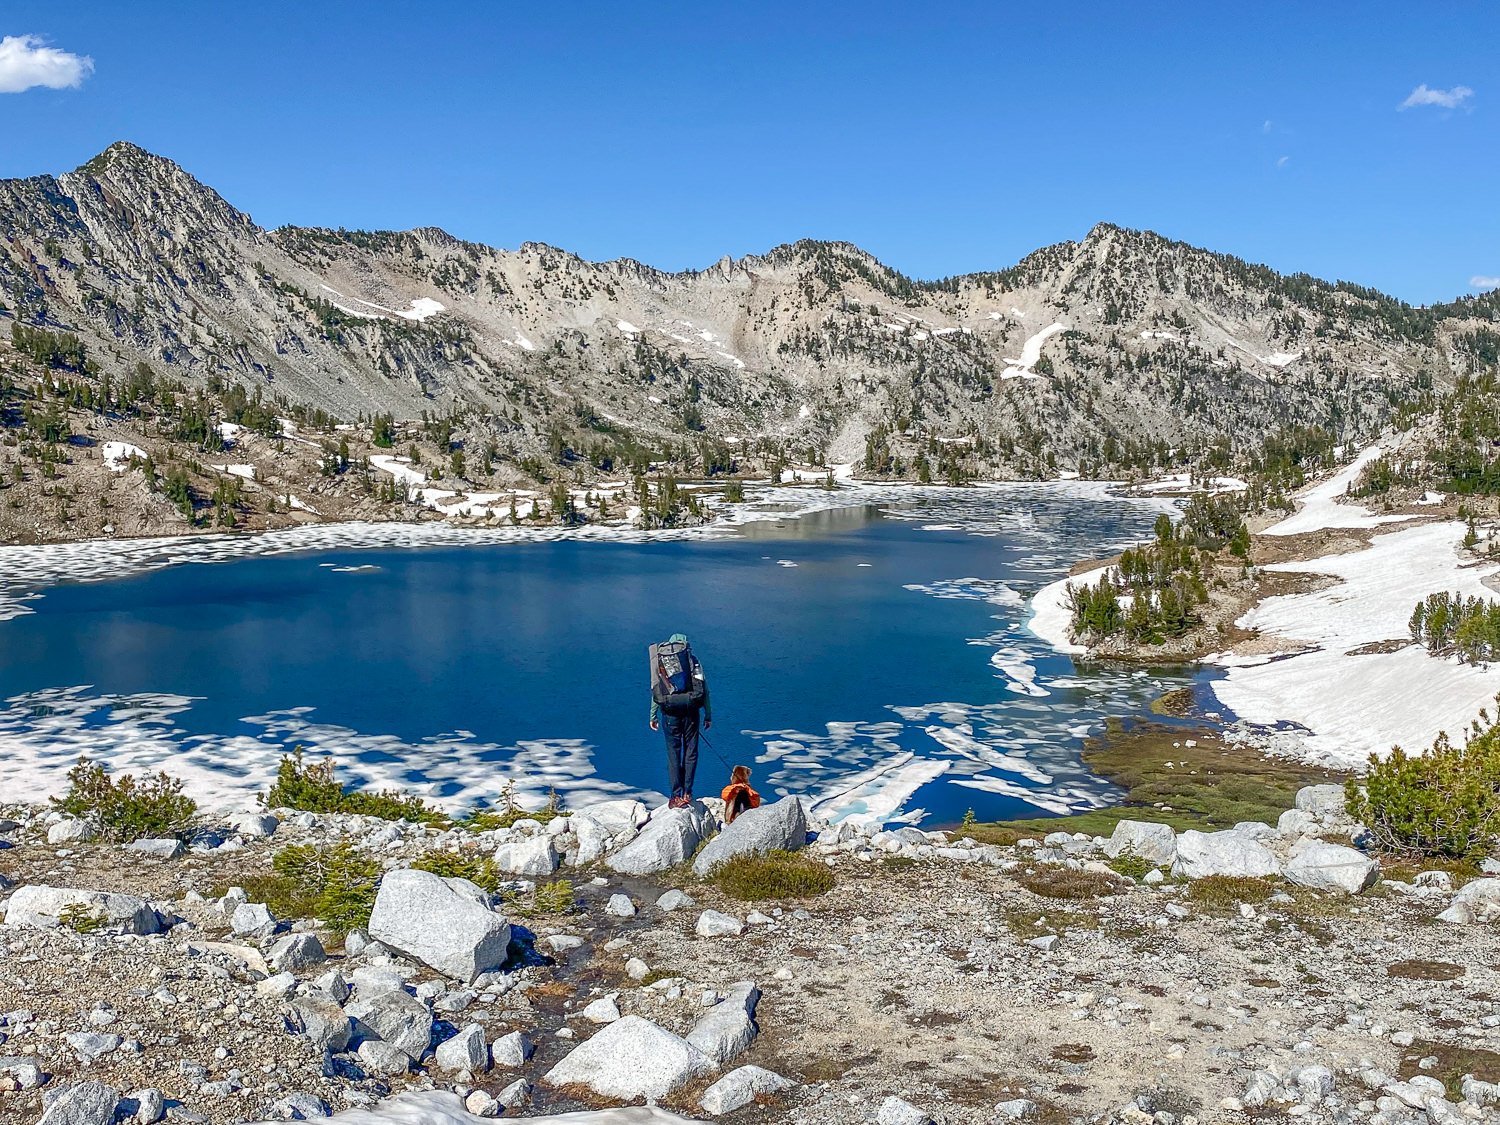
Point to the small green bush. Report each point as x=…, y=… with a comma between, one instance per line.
x=335, y=885
x=1130, y=865
x=312, y=787
x=477, y=869
x=555, y=897
x=80, y=919
x=127, y=808
x=751, y=878
x=1444, y=803
x=506, y=810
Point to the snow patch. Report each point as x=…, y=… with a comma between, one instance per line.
x=1031, y=351
x=119, y=454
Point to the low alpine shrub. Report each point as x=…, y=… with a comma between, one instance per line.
x=506, y=810
x=1445, y=802
x=127, y=807
x=336, y=885
x=312, y=787
x=477, y=869
x=751, y=878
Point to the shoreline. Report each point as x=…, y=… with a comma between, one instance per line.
x=1333, y=660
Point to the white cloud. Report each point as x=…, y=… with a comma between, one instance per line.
x=1444, y=99
x=1282, y=161
x=1266, y=128
x=1480, y=281
x=27, y=61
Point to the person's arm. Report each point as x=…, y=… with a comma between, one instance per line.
x=708, y=705
x=654, y=710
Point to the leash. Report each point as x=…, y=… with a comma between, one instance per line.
x=704, y=737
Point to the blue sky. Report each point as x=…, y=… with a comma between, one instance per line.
x=942, y=137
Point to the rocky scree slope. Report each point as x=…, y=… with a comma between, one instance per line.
x=1073, y=357
x=1153, y=976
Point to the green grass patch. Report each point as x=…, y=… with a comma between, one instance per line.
x=80, y=919
x=753, y=878
x=1452, y=1064
x=556, y=897
x=505, y=811
x=312, y=787
x=1208, y=786
x=127, y=807
x=1026, y=923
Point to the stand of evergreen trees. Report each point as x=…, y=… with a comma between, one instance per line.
x=1451, y=623
x=1162, y=583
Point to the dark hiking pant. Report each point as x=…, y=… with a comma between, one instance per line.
x=681, y=733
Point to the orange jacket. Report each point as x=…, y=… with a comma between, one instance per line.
x=733, y=790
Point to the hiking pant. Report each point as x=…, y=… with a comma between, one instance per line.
x=681, y=733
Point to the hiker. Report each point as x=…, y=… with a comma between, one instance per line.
x=738, y=796
x=679, y=697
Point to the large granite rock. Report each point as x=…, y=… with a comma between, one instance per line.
x=727, y=1029
x=47, y=907
x=444, y=923
x=671, y=836
x=740, y=1087
x=530, y=859
x=1201, y=854
x=88, y=1103
x=1333, y=867
x=618, y=818
x=631, y=1058
x=779, y=826
x=397, y=1018
x=1155, y=843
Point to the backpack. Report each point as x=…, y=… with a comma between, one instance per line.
x=676, y=678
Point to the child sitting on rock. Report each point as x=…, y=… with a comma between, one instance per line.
x=738, y=796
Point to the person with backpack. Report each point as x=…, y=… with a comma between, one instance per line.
x=679, y=701
x=738, y=796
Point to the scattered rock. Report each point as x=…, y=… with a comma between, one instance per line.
x=169, y=848
x=1201, y=854
x=714, y=923
x=296, y=952
x=1333, y=867
x=465, y=1051
x=670, y=837
x=1155, y=843
x=397, y=1018
x=675, y=900
x=511, y=1051
x=895, y=1111
x=727, y=1029
x=531, y=858
x=47, y=907
x=631, y=1058
x=603, y=1010
x=620, y=906
x=444, y=923
x=88, y=1103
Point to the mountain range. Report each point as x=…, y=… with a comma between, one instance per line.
x=1079, y=356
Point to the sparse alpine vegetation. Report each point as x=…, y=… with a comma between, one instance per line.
x=311, y=786
x=126, y=807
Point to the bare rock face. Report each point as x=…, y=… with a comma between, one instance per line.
x=816, y=342
x=671, y=836
x=444, y=923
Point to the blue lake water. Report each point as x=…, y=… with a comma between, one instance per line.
x=874, y=657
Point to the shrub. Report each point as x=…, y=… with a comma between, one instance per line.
x=80, y=919
x=1130, y=865
x=127, y=808
x=311, y=787
x=335, y=885
x=1066, y=883
x=751, y=878
x=1226, y=892
x=1444, y=803
x=477, y=869
x=507, y=810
